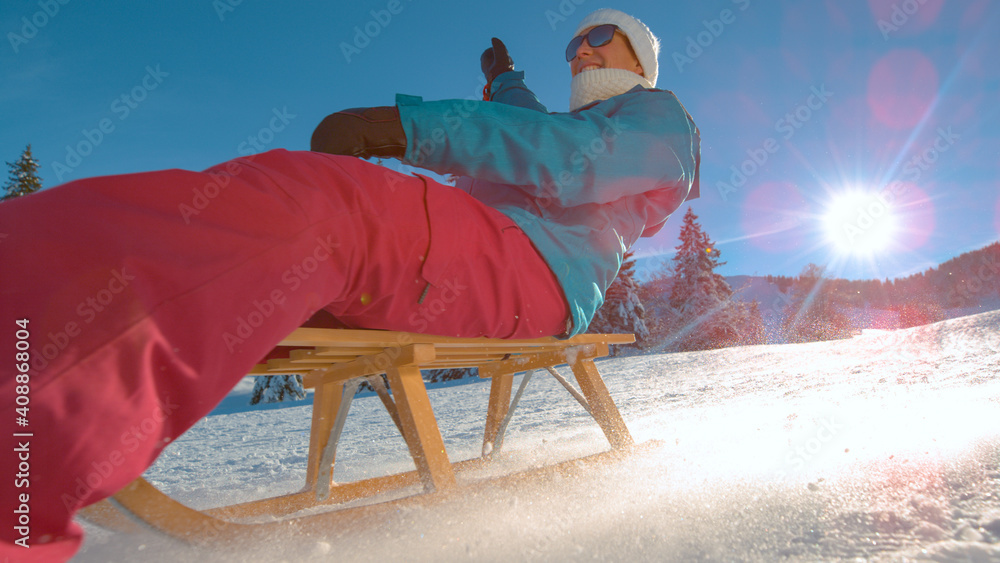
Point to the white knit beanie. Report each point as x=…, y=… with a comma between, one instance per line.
x=644, y=43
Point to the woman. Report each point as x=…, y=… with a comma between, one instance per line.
x=142, y=299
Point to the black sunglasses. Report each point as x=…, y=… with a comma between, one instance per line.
x=597, y=37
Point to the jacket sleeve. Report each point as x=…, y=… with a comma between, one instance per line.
x=639, y=141
x=509, y=88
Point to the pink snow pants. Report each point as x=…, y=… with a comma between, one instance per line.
x=131, y=305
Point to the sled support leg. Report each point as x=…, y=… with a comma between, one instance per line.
x=572, y=390
x=326, y=406
x=498, y=440
x=602, y=407
x=330, y=450
x=420, y=428
x=500, y=388
x=383, y=394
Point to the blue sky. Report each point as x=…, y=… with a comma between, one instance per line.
x=797, y=102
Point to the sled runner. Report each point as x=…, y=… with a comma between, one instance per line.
x=334, y=362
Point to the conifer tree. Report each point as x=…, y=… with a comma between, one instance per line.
x=22, y=179
x=277, y=388
x=622, y=311
x=450, y=374
x=706, y=317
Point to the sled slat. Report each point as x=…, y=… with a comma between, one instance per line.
x=414, y=354
x=537, y=361
x=319, y=337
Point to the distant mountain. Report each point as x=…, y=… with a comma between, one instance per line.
x=748, y=288
x=965, y=285
x=771, y=300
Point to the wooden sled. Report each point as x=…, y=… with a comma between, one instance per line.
x=334, y=362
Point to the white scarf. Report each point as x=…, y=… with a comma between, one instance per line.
x=601, y=84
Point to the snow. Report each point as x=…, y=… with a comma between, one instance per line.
x=882, y=447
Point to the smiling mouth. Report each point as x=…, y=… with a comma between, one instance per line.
x=589, y=67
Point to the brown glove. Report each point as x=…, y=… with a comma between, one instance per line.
x=363, y=132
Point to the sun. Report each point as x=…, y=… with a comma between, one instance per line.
x=860, y=223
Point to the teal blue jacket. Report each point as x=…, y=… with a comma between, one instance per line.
x=583, y=185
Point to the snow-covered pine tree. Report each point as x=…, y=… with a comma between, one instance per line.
x=22, y=179
x=814, y=312
x=277, y=388
x=706, y=316
x=622, y=311
x=450, y=374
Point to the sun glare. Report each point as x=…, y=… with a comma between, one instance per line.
x=860, y=223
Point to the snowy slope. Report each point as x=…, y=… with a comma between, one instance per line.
x=885, y=446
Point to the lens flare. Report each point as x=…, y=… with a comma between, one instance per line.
x=772, y=217
x=902, y=87
x=906, y=18
x=860, y=223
